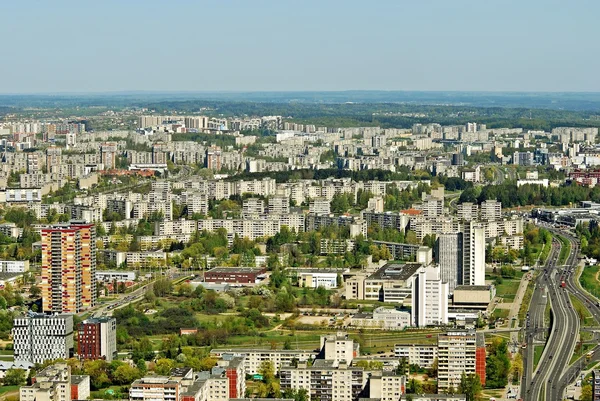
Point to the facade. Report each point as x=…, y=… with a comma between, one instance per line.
x=55, y=383
x=421, y=355
x=386, y=386
x=460, y=351
x=473, y=266
x=448, y=255
x=325, y=380
x=97, y=339
x=338, y=347
x=382, y=318
x=391, y=283
x=253, y=358
x=14, y=266
x=155, y=388
x=233, y=275
x=595, y=385
x=68, y=268
x=38, y=338
x=236, y=375
x=313, y=278
x=429, y=298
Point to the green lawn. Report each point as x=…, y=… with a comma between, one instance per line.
x=537, y=354
x=526, y=300
x=588, y=280
x=500, y=313
x=580, y=351
x=585, y=317
x=8, y=389
x=565, y=250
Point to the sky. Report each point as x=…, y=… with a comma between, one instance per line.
x=305, y=45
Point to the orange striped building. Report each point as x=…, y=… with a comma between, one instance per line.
x=68, y=267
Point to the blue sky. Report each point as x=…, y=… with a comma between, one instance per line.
x=179, y=45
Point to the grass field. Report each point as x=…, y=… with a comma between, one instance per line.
x=537, y=354
x=545, y=252
x=565, y=250
x=585, y=317
x=8, y=389
x=526, y=300
x=588, y=280
x=580, y=351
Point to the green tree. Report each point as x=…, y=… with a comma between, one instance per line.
x=15, y=377
x=164, y=366
x=162, y=287
x=126, y=374
x=470, y=386
x=267, y=370
x=586, y=393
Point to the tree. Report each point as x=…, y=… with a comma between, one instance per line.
x=470, y=386
x=35, y=291
x=126, y=374
x=267, y=371
x=164, y=366
x=586, y=393
x=98, y=372
x=296, y=394
x=14, y=377
x=162, y=287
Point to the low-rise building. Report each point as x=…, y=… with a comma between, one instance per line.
x=313, y=278
x=234, y=275
x=382, y=318
x=14, y=266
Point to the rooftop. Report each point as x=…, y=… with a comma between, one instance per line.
x=472, y=288
x=236, y=270
x=395, y=271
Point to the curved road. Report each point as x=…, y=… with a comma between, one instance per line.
x=545, y=382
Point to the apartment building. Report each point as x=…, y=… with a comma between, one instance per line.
x=253, y=358
x=68, y=267
x=325, y=380
x=55, y=383
x=460, y=351
x=416, y=354
x=97, y=339
x=38, y=338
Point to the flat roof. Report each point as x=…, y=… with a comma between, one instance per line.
x=236, y=270
x=395, y=271
x=472, y=287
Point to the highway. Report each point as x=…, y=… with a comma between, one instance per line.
x=542, y=383
x=572, y=286
x=553, y=372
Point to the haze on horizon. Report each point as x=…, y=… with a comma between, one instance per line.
x=236, y=45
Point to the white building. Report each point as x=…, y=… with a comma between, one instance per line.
x=416, y=354
x=473, y=266
x=319, y=206
x=38, y=338
x=383, y=318
x=429, y=298
x=14, y=266
x=313, y=278
x=121, y=276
